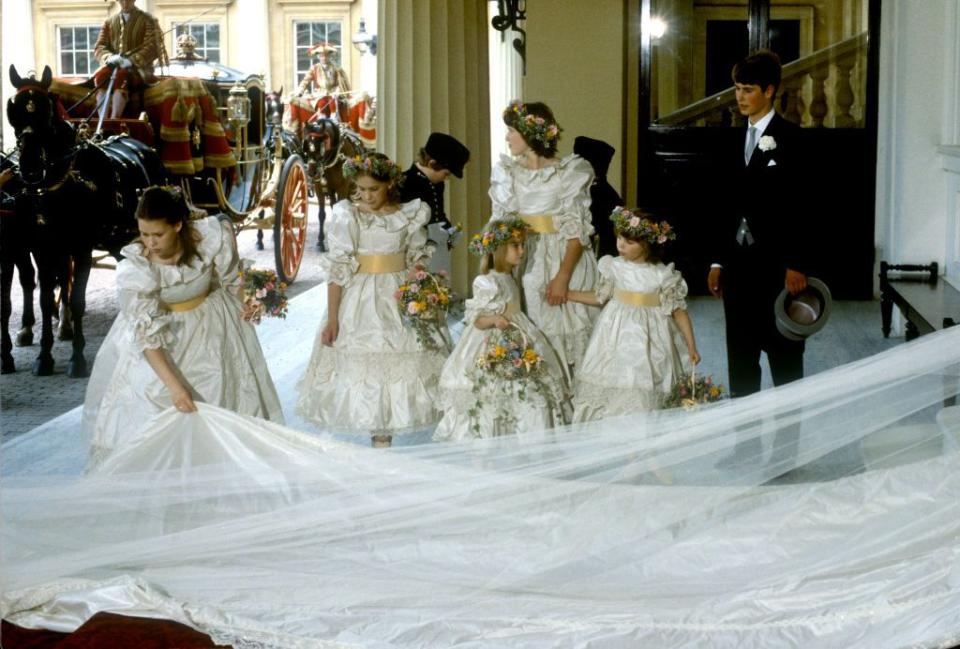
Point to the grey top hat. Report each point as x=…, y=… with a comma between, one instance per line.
x=804, y=314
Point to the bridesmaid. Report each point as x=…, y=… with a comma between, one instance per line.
x=552, y=195
x=179, y=337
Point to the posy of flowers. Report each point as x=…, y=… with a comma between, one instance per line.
x=691, y=390
x=424, y=300
x=263, y=295
x=504, y=370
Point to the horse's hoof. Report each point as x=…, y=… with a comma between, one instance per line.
x=24, y=337
x=6, y=364
x=65, y=333
x=77, y=369
x=43, y=366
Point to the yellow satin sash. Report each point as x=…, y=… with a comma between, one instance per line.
x=634, y=298
x=375, y=264
x=539, y=223
x=187, y=305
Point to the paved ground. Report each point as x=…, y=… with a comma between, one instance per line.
x=27, y=401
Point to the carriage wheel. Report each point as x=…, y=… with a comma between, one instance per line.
x=290, y=222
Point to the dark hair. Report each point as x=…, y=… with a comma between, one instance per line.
x=537, y=109
x=762, y=68
x=167, y=204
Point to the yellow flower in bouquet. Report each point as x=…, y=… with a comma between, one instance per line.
x=423, y=301
x=691, y=390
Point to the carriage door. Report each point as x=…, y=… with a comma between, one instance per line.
x=688, y=114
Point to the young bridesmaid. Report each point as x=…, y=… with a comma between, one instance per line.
x=367, y=374
x=495, y=306
x=179, y=337
x=634, y=356
x=552, y=195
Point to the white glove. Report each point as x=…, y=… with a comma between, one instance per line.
x=114, y=60
x=125, y=62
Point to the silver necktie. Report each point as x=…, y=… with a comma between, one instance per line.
x=751, y=144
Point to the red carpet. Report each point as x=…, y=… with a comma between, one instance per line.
x=109, y=631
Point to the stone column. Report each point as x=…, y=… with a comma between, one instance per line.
x=16, y=19
x=250, y=39
x=432, y=75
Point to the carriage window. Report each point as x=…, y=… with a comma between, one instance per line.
x=306, y=34
x=75, y=44
x=207, y=36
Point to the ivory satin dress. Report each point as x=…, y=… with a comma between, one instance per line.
x=637, y=352
x=192, y=313
x=555, y=201
x=375, y=378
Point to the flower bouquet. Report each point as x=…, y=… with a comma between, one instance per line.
x=504, y=370
x=263, y=295
x=423, y=302
x=691, y=390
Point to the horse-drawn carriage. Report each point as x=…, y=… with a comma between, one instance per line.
x=205, y=126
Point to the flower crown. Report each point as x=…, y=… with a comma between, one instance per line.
x=636, y=225
x=375, y=165
x=531, y=127
x=499, y=233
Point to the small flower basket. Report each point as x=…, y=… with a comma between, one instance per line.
x=506, y=368
x=691, y=390
x=423, y=302
x=263, y=295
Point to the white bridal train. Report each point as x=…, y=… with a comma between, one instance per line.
x=621, y=533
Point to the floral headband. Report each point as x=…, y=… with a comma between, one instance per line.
x=531, y=127
x=374, y=165
x=499, y=233
x=636, y=225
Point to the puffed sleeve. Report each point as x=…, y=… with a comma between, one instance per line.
x=487, y=299
x=573, y=219
x=673, y=290
x=219, y=245
x=341, y=231
x=605, y=286
x=419, y=250
x=138, y=285
x=502, y=195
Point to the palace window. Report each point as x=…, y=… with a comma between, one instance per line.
x=207, y=36
x=307, y=34
x=75, y=48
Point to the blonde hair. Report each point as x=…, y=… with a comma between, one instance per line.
x=496, y=260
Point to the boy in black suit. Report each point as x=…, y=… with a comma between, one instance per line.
x=759, y=247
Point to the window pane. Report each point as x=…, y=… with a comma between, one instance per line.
x=303, y=34
x=333, y=33
x=66, y=39
x=82, y=64
x=93, y=33
x=213, y=55
x=213, y=36
x=66, y=63
x=80, y=39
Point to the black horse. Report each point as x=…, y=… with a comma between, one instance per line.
x=14, y=253
x=77, y=195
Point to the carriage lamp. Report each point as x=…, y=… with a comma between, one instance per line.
x=364, y=41
x=238, y=105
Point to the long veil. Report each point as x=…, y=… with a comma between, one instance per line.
x=676, y=529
